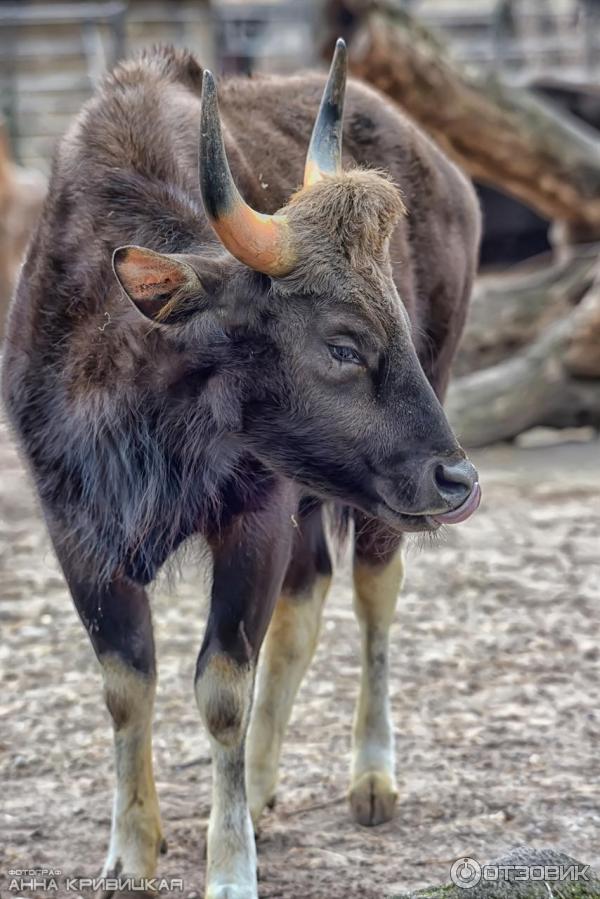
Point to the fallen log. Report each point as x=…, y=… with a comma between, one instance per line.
x=508, y=311
x=582, y=357
x=501, y=135
x=553, y=382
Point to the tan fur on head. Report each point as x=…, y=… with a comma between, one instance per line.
x=357, y=209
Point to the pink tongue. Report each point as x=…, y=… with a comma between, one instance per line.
x=470, y=505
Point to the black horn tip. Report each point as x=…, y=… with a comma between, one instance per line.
x=339, y=65
x=209, y=114
x=209, y=87
x=340, y=55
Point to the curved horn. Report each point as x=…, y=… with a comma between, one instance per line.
x=324, y=155
x=259, y=241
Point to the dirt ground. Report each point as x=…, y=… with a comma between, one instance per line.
x=496, y=699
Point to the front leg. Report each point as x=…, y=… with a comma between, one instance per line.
x=116, y=615
x=224, y=697
x=378, y=574
x=249, y=566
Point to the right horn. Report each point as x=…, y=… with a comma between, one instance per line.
x=258, y=240
x=324, y=155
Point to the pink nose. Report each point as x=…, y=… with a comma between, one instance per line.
x=464, y=511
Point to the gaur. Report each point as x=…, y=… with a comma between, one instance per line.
x=206, y=343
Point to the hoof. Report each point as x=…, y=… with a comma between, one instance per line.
x=373, y=799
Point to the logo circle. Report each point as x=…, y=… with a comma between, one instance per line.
x=465, y=873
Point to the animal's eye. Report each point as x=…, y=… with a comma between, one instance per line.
x=345, y=354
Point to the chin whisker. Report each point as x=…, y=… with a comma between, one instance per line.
x=426, y=539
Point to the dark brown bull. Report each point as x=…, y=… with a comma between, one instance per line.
x=244, y=390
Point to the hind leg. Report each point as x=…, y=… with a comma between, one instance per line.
x=288, y=649
x=378, y=574
x=117, y=619
x=287, y=652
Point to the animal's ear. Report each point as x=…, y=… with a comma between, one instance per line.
x=156, y=283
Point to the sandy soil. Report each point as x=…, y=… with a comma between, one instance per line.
x=496, y=698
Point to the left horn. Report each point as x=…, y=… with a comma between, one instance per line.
x=260, y=241
x=324, y=155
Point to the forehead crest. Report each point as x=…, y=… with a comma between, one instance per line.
x=358, y=209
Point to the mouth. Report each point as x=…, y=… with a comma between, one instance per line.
x=406, y=521
x=462, y=512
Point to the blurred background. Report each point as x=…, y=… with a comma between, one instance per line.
x=496, y=671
